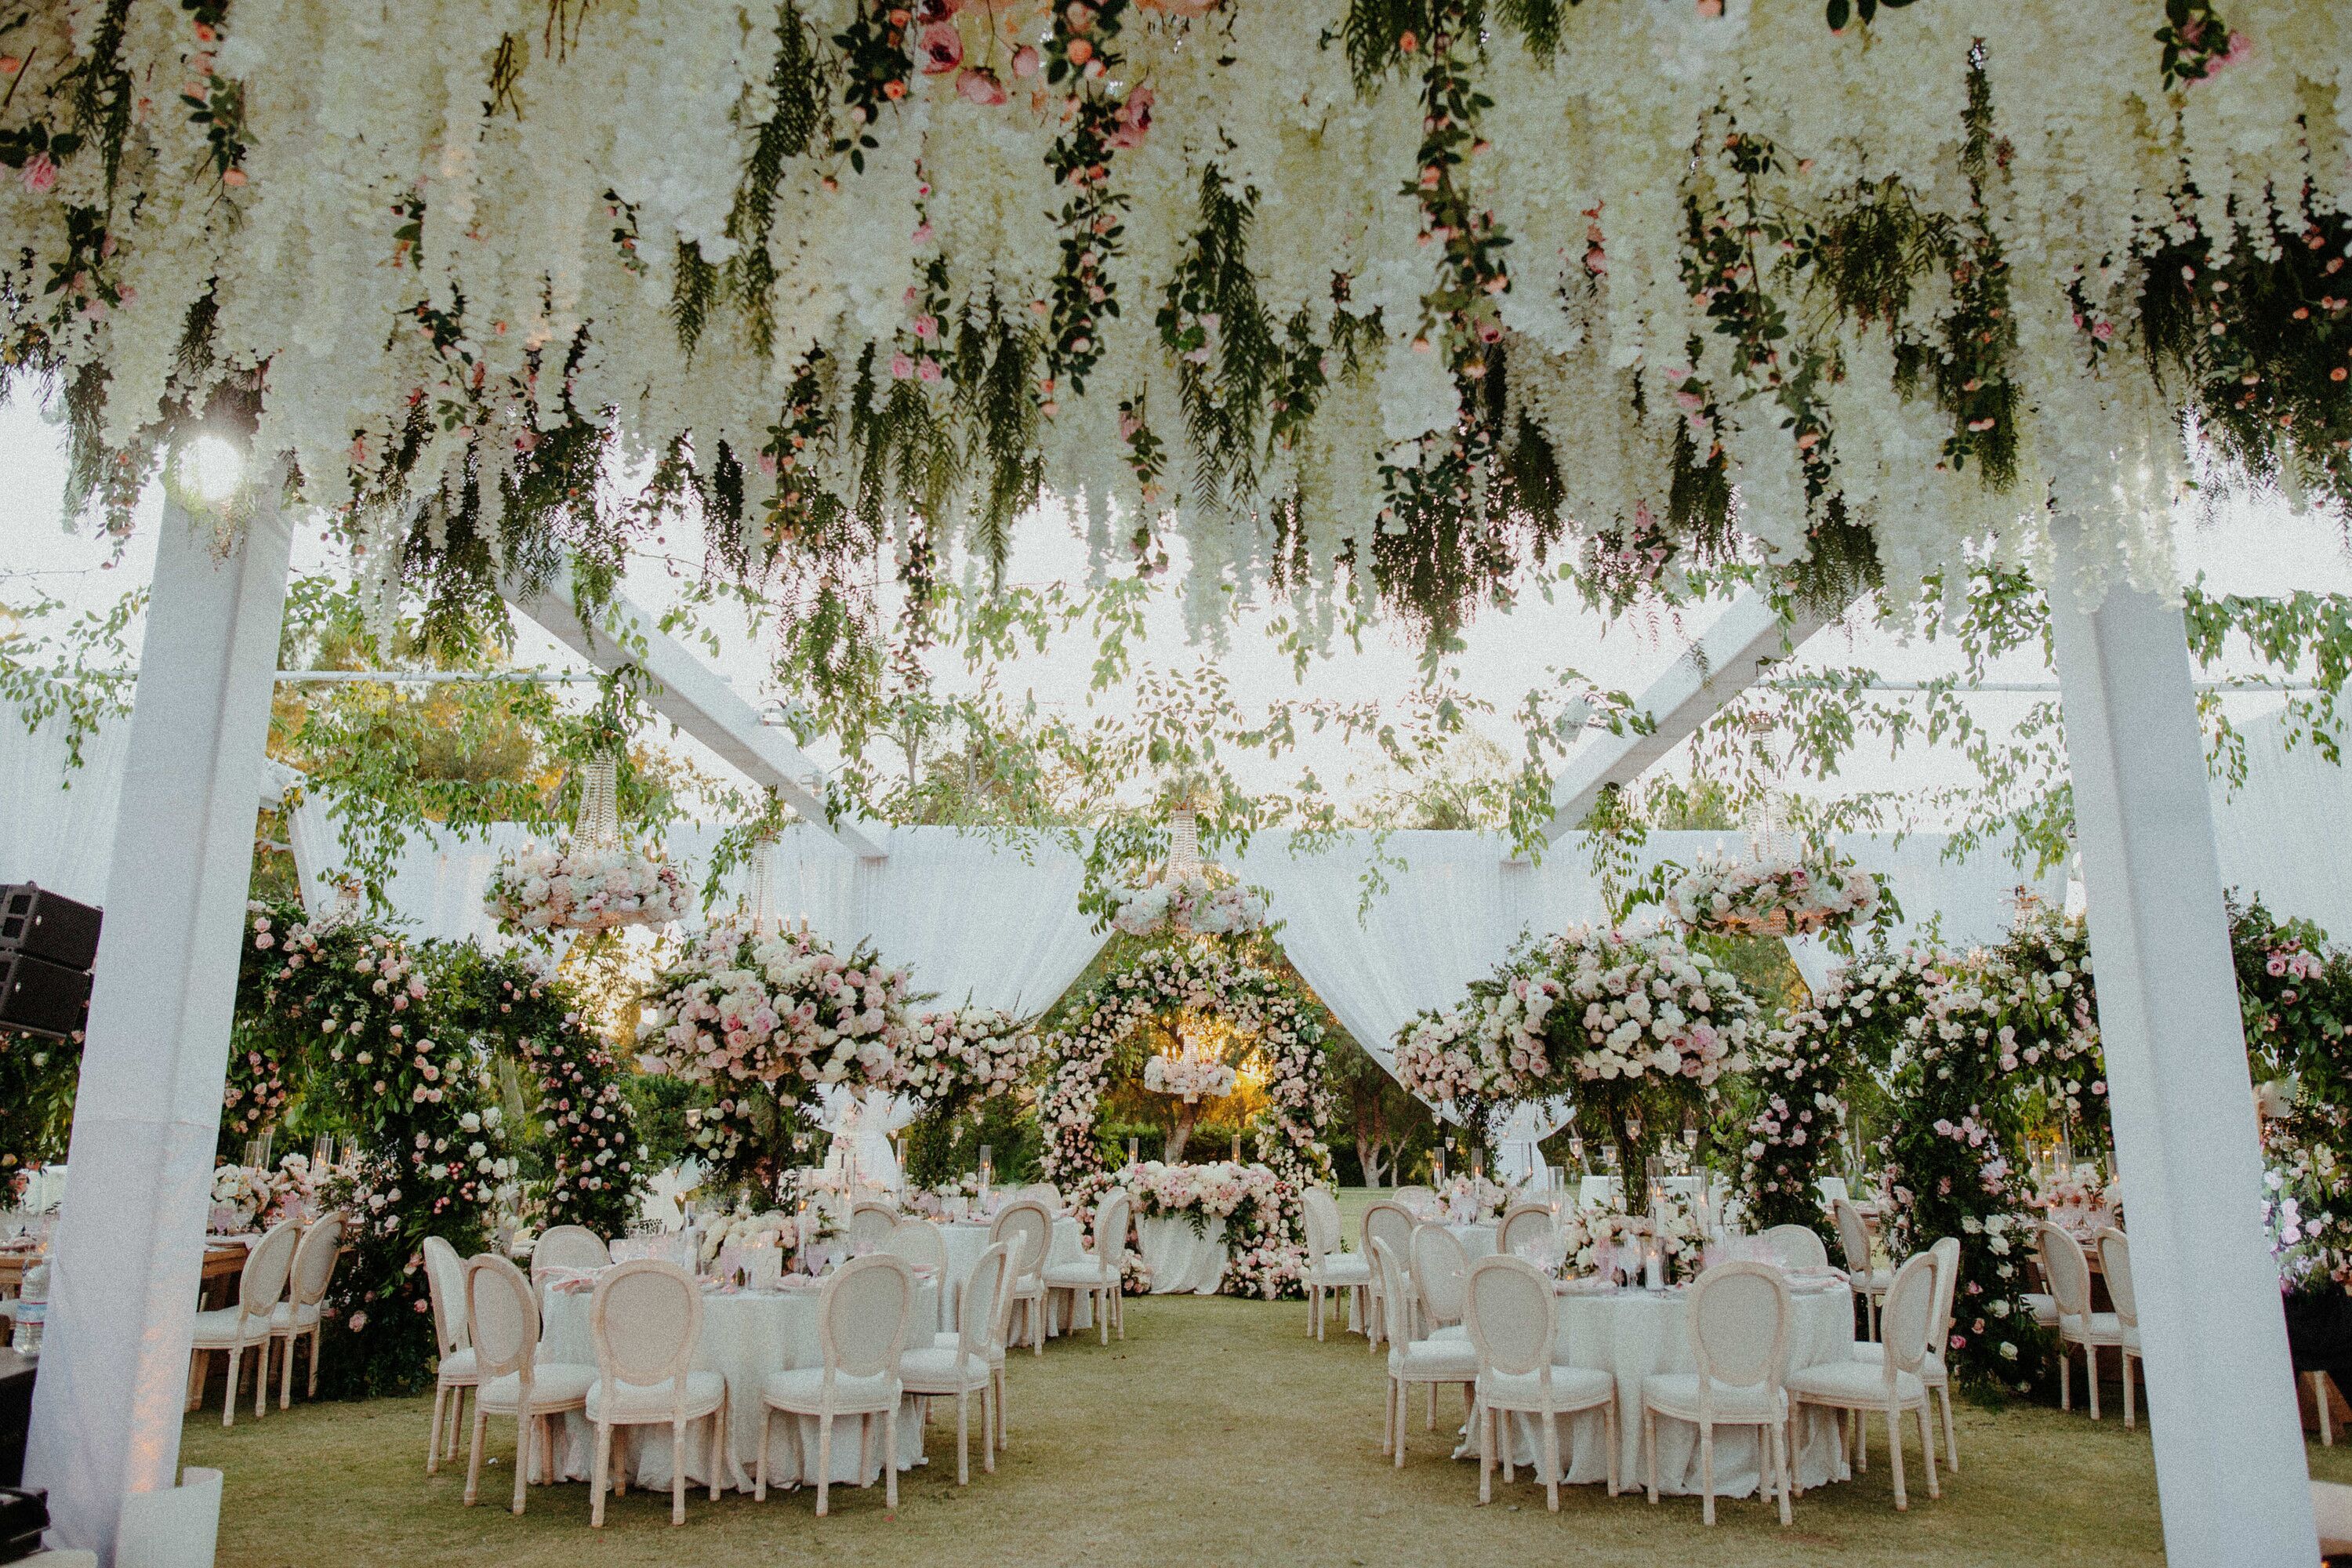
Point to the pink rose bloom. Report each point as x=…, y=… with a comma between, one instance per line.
x=980, y=86
x=939, y=46
x=901, y=367
x=39, y=173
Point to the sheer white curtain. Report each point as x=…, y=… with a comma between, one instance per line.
x=991, y=917
x=2281, y=834
x=1450, y=908
x=57, y=828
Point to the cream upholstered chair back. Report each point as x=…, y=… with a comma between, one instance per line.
x=1739, y=1326
x=2115, y=1262
x=1322, y=1216
x=1948, y=1284
x=1907, y=1323
x=917, y=1240
x=646, y=1320
x=861, y=1326
x=2068, y=1271
x=445, y=1281
x=1110, y=1226
x=870, y=1225
x=1000, y=1310
x=1046, y=1193
x=263, y=1284
x=1391, y=1275
x=1523, y=1224
x=314, y=1259
x=984, y=1291
x=1853, y=1235
x=569, y=1246
x=1415, y=1197
x=1439, y=1269
x=1027, y=1222
x=1797, y=1246
x=1511, y=1314
x=502, y=1314
x=1392, y=1223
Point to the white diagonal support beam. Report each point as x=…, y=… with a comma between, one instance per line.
x=694, y=696
x=1724, y=661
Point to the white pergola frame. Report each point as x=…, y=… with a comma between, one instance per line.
x=1725, y=660
x=2229, y=1463
x=694, y=696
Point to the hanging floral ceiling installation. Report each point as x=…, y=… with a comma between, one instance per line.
x=1377, y=298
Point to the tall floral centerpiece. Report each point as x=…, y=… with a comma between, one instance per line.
x=761, y=1018
x=1636, y=1028
x=954, y=1060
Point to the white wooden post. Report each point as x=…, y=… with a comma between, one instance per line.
x=129, y=1248
x=2230, y=1467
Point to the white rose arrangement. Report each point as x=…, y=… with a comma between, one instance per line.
x=586, y=887
x=965, y=1052
x=1190, y=903
x=1774, y=895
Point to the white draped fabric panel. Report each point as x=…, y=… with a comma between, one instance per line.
x=2281, y=835
x=1448, y=906
x=994, y=916
x=58, y=825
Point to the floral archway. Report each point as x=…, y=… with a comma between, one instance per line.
x=1204, y=976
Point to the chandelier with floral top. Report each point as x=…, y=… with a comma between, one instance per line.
x=597, y=880
x=1190, y=896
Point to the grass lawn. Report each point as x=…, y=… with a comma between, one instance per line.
x=1217, y=1434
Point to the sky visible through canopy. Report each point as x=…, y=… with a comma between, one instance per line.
x=2263, y=550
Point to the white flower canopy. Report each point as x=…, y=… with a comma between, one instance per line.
x=1392, y=287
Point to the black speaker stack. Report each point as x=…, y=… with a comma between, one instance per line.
x=48, y=944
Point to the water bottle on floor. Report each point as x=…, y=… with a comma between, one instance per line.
x=31, y=1310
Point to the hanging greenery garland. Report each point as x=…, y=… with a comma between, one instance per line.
x=1846, y=275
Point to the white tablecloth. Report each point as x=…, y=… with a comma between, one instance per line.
x=1633, y=1334
x=965, y=1243
x=745, y=1337
x=1183, y=1262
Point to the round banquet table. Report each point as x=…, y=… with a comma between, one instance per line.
x=1183, y=1261
x=1632, y=1333
x=746, y=1335
x=966, y=1240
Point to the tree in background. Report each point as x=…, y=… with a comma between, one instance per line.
x=1376, y=1115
